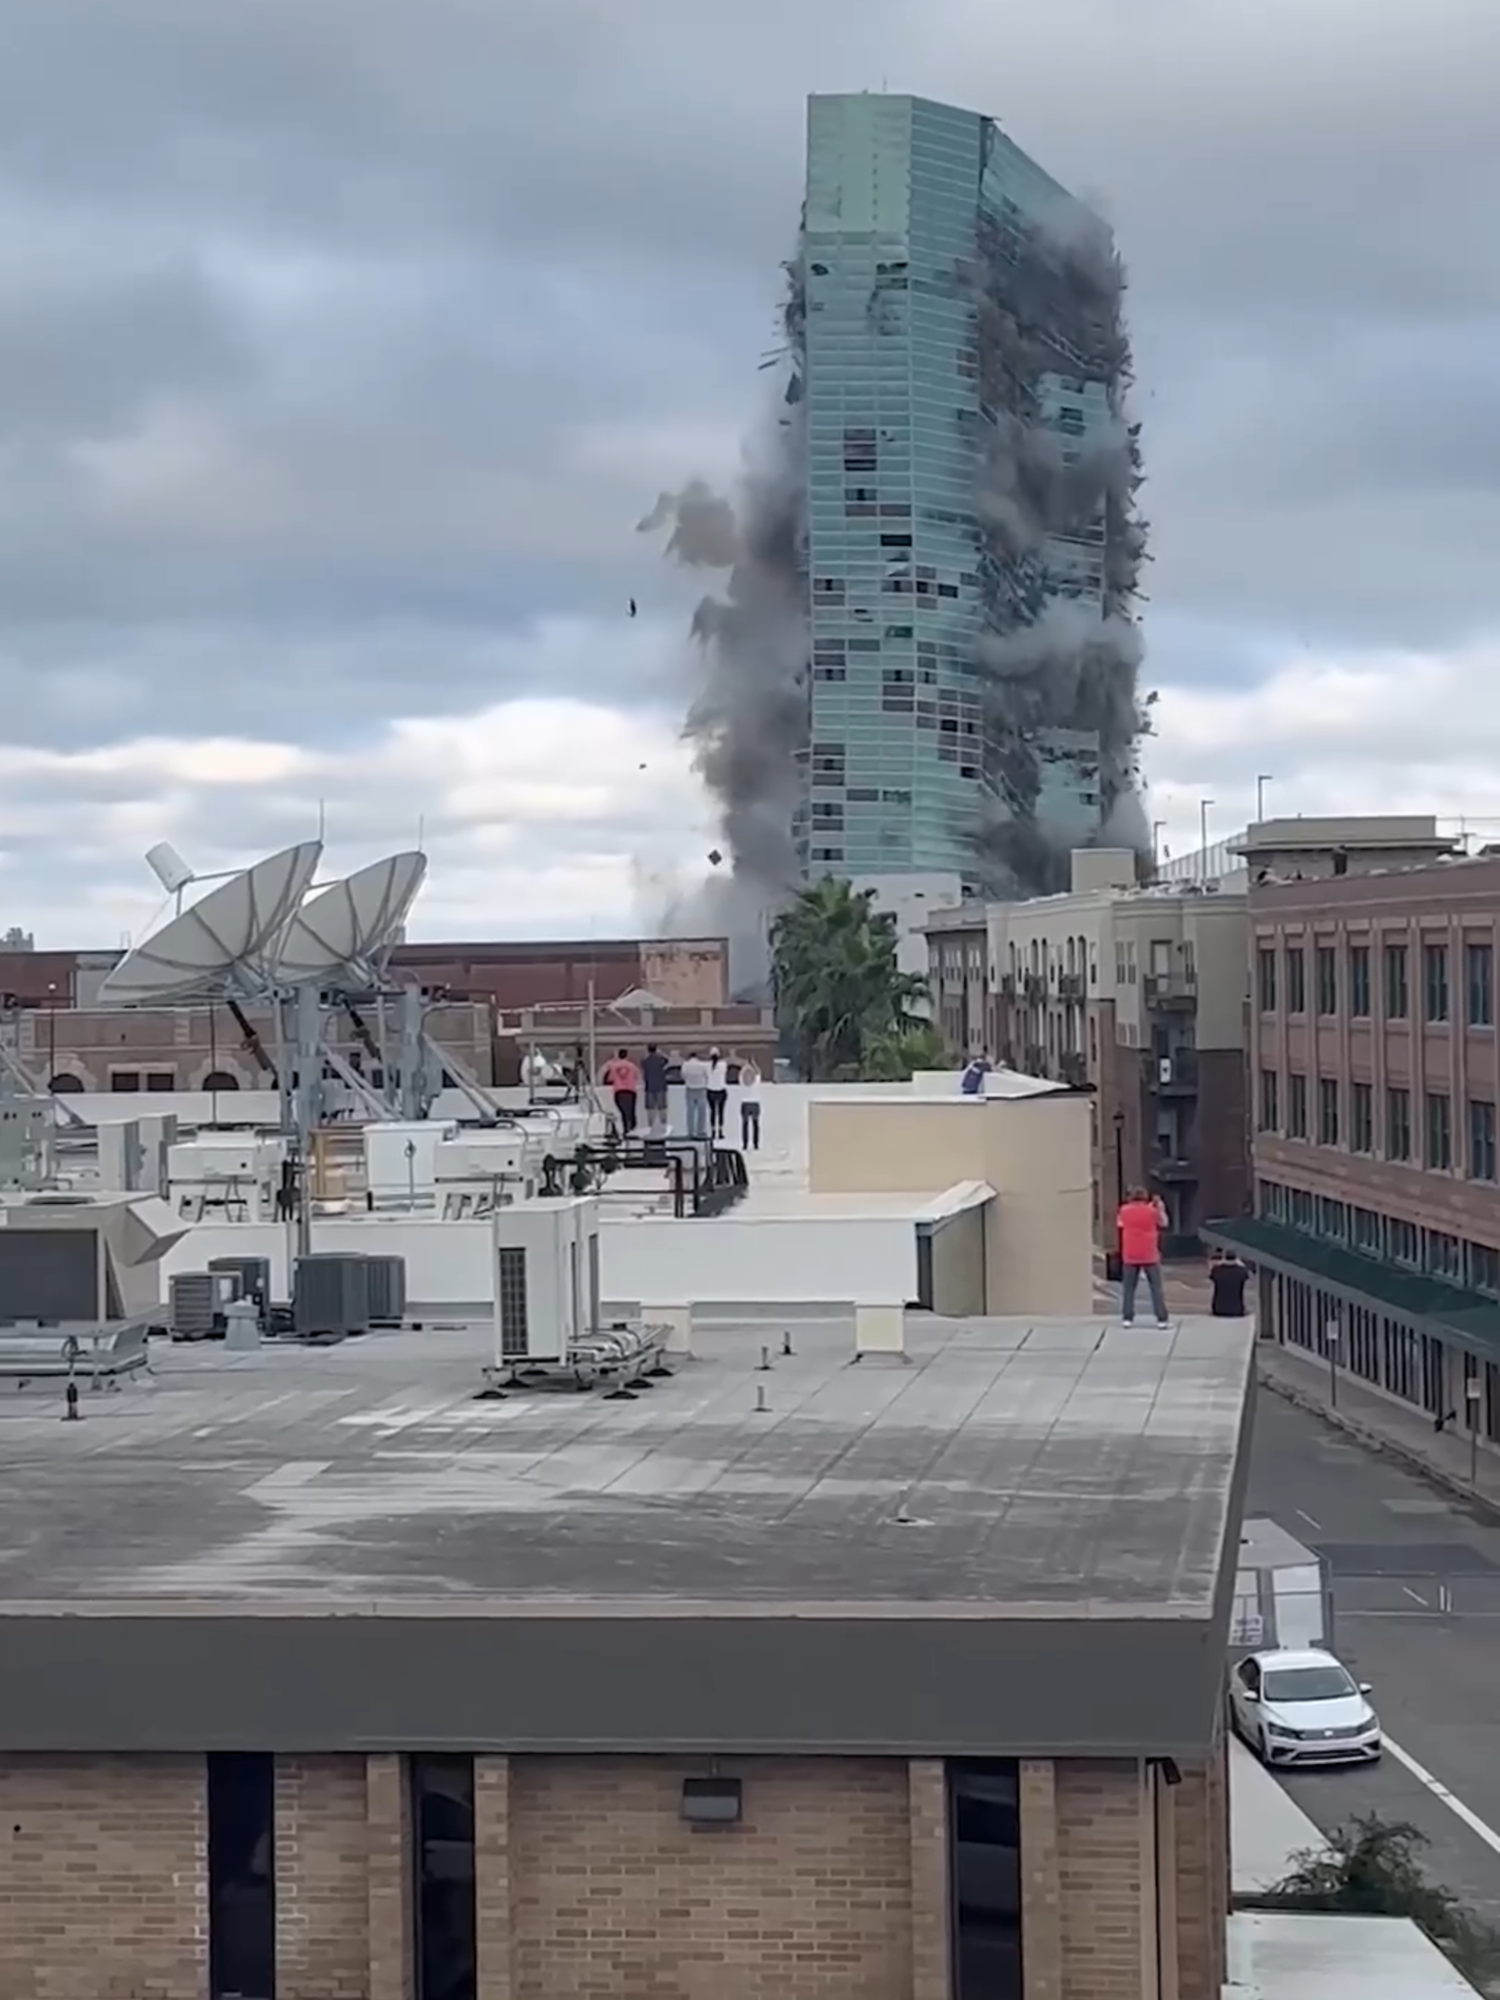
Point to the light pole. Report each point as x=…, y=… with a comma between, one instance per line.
x=1203, y=806
x=51, y=1034
x=1473, y=1389
x=1262, y=779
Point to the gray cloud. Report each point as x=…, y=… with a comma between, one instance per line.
x=340, y=342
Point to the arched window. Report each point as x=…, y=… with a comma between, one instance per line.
x=65, y=1084
x=220, y=1079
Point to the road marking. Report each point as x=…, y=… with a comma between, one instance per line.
x=1413, y=1595
x=1439, y=1790
x=1316, y=1526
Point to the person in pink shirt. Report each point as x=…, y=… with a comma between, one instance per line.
x=1141, y=1221
x=622, y=1075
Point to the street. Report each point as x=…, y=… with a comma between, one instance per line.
x=1417, y=1614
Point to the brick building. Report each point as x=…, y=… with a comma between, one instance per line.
x=1375, y=1079
x=769, y=1686
x=1135, y=994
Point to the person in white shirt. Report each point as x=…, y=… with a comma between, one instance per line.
x=718, y=1093
x=749, y=1106
x=695, y=1089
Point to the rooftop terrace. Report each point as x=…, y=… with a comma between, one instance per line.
x=1006, y=1464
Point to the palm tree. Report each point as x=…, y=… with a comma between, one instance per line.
x=841, y=995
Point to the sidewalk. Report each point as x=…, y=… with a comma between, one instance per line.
x=1446, y=1457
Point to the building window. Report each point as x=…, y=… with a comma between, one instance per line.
x=1296, y=1106
x=1364, y=1230
x=442, y=1799
x=1481, y=1139
x=1328, y=980
x=1479, y=985
x=125, y=1081
x=241, y=1875
x=1361, y=1118
x=984, y=1878
x=1438, y=1153
x=1296, y=979
x=1265, y=979
x=1402, y=1243
x=1482, y=1267
x=1442, y=1254
x=1270, y=1101
x=1398, y=1124
x=1435, y=982
x=1359, y=981
x=1397, y=1000
x=1328, y=1111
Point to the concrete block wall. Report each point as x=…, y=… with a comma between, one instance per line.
x=589, y=1883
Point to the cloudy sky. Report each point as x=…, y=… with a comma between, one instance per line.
x=343, y=342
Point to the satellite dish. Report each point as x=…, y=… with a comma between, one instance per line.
x=338, y=930
x=234, y=929
x=168, y=866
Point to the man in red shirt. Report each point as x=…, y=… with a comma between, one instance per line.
x=1141, y=1221
x=622, y=1075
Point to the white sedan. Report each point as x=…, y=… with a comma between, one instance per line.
x=1303, y=1708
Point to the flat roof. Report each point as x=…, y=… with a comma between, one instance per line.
x=276, y=1511
x=1285, y=1955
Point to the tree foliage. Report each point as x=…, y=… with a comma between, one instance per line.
x=842, y=999
x=1371, y=1869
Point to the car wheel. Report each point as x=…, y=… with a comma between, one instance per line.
x=1262, y=1747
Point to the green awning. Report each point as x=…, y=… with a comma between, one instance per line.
x=1436, y=1305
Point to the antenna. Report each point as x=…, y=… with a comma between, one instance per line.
x=221, y=942
x=339, y=929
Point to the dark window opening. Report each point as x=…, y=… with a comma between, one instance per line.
x=442, y=1796
x=984, y=1872
x=241, y=1876
x=124, y=1081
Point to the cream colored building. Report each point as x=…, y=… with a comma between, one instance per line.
x=1137, y=995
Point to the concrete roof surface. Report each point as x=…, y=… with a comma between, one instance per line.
x=1282, y=1955
x=1063, y=1467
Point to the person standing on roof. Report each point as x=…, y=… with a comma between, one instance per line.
x=695, y=1090
x=622, y=1075
x=1141, y=1220
x=749, y=1106
x=655, y=1071
x=718, y=1093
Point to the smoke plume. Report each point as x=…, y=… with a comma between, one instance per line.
x=748, y=723
x=1059, y=657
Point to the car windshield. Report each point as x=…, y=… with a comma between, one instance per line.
x=1307, y=1684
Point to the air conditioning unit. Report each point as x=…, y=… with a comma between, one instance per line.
x=478, y=1170
x=546, y=1278
x=331, y=1296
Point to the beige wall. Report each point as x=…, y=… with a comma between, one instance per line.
x=587, y=1881
x=1034, y=1152
x=958, y=1265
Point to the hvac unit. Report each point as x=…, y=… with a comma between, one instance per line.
x=252, y=1276
x=477, y=1171
x=400, y=1161
x=196, y=1302
x=546, y=1276
x=387, y=1290
x=330, y=1296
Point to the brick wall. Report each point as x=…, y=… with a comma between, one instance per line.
x=615, y=1896
x=833, y=1887
x=102, y=1878
x=322, y=1879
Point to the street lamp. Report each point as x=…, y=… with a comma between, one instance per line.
x=51, y=1034
x=1114, y=1267
x=1262, y=779
x=1472, y=1390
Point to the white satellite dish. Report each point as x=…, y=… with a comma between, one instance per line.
x=340, y=928
x=233, y=930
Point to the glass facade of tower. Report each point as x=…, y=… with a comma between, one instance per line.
x=903, y=579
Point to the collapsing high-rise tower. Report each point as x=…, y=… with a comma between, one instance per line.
x=924, y=659
x=972, y=541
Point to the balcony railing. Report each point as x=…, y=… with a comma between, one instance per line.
x=1171, y=989
x=1070, y=986
x=1036, y=988
x=1074, y=1068
x=1169, y=1167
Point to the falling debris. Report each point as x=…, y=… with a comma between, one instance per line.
x=1059, y=655
x=634, y=607
x=749, y=721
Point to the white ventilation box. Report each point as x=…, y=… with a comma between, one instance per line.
x=401, y=1159
x=546, y=1275
x=225, y=1177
